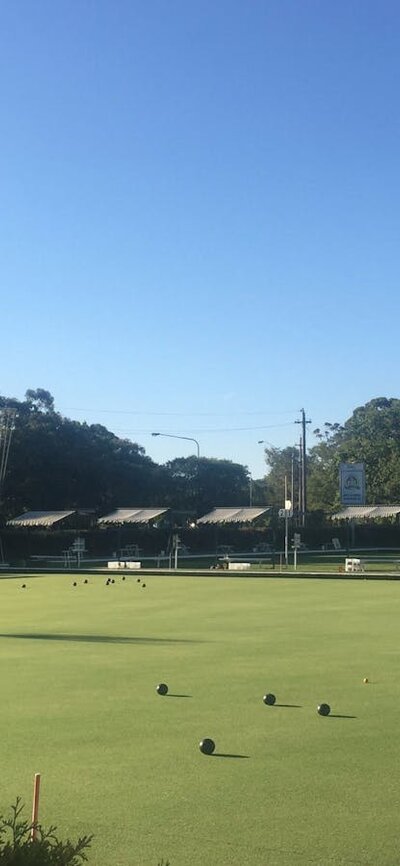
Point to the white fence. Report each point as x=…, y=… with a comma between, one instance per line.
x=118, y=563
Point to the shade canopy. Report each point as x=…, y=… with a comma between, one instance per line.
x=232, y=515
x=131, y=515
x=363, y=512
x=39, y=518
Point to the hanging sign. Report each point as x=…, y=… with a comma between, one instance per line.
x=352, y=483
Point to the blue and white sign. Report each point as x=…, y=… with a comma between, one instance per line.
x=352, y=483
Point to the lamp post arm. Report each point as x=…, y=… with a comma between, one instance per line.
x=187, y=438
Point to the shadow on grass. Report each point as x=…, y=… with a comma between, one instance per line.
x=225, y=755
x=171, y=695
x=97, y=638
x=291, y=706
x=337, y=716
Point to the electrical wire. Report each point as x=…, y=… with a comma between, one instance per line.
x=201, y=430
x=176, y=414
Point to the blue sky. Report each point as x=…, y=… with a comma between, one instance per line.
x=199, y=228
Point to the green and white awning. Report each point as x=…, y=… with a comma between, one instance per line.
x=131, y=515
x=366, y=512
x=39, y=518
x=232, y=515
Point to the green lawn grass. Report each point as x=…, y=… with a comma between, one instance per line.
x=307, y=562
x=79, y=667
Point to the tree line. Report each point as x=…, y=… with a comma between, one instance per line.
x=57, y=463
x=371, y=436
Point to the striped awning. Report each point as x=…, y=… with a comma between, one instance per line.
x=232, y=515
x=386, y=511
x=39, y=518
x=370, y=512
x=131, y=515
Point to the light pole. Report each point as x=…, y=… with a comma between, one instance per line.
x=303, y=454
x=7, y=426
x=286, y=525
x=188, y=438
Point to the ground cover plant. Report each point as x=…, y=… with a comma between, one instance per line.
x=17, y=848
x=79, y=671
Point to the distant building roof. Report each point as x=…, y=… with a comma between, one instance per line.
x=370, y=512
x=233, y=515
x=39, y=518
x=132, y=515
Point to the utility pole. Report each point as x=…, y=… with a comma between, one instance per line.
x=304, y=469
x=303, y=455
x=7, y=424
x=286, y=524
x=292, y=478
x=299, y=510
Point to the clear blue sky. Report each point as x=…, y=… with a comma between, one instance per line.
x=199, y=223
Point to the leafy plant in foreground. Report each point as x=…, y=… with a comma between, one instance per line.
x=17, y=848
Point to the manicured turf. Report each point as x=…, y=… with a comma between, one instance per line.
x=285, y=787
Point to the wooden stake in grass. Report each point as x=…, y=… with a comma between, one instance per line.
x=35, y=806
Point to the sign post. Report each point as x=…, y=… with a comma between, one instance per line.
x=35, y=806
x=352, y=483
x=296, y=547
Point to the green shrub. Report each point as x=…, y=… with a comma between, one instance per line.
x=17, y=849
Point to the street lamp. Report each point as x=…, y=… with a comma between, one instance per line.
x=188, y=438
x=265, y=442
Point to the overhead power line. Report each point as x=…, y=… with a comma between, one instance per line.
x=177, y=414
x=207, y=430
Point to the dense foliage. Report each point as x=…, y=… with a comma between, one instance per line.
x=17, y=849
x=57, y=463
x=199, y=485
x=282, y=463
x=371, y=435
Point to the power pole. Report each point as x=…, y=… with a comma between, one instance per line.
x=7, y=423
x=299, y=498
x=7, y=420
x=303, y=461
x=292, y=480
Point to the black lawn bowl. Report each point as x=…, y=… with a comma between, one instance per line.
x=23, y=586
x=74, y=583
x=162, y=689
x=323, y=709
x=138, y=580
x=207, y=746
x=86, y=581
x=123, y=577
x=143, y=586
x=269, y=699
